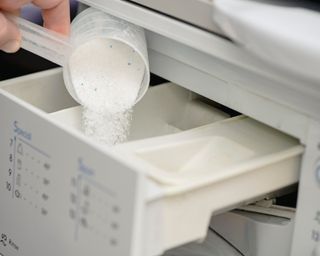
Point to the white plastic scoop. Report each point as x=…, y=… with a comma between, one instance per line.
x=43, y=42
x=91, y=24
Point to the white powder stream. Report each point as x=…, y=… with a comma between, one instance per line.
x=106, y=75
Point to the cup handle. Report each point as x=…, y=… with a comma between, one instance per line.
x=43, y=42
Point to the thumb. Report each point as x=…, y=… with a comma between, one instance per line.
x=9, y=35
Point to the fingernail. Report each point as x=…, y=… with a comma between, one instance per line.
x=11, y=46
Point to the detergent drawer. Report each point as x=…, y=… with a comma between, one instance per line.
x=185, y=160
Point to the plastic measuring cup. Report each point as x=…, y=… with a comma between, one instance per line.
x=88, y=25
x=93, y=24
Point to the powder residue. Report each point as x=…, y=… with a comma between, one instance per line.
x=106, y=75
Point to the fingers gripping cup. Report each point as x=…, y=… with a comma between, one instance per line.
x=105, y=68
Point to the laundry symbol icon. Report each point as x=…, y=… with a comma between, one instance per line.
x=317, y=217
x=17, y=193
x=4, y=239
x=20, y=149
x=19, y=164
x=18, y=180
x=46, y=166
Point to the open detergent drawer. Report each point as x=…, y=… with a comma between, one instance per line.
x=211, y=169
x=194, y=159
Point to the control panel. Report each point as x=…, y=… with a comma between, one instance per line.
x=28, y=172
x=60, y=194
x=306, y=237
x=94, y=210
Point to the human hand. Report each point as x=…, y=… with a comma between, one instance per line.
x=55, y=13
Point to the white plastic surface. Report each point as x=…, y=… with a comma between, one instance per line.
x=281, y=33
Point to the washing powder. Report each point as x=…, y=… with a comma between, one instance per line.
x=106, y=75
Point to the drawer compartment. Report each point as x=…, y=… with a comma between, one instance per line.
x=192, y=158
x=165, y=109
x=213, y=152
x=212, y=169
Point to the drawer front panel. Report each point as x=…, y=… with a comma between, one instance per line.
x=59, y=195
